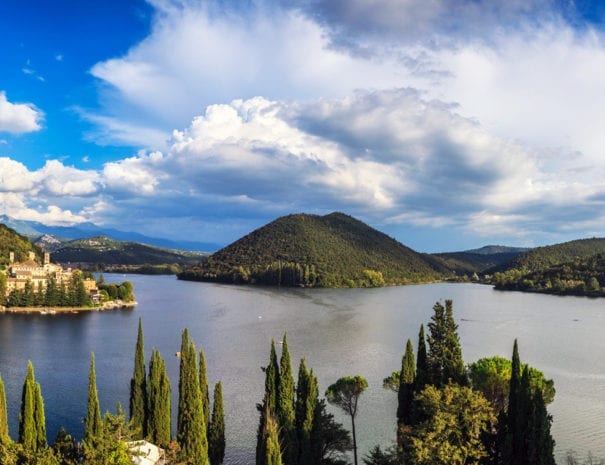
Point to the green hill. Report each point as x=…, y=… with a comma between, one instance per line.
x=102, y=250
x=543, y=257
x=12, y=241
x=324, y=251
x=583, y=276
x=479, y=260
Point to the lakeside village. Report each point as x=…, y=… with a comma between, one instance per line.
x=29, y=286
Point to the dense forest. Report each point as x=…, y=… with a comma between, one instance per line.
x=335, y=250
x=492, y=411
x=11, y=241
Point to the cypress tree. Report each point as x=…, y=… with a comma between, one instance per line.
x=516, y=416
x=204, y=388
x=216, y=436
x=285, y=406
x=455, y=369
x=407, y=377
x=137, y=386
x=92, y=422
x=271, y=439
x=191, y=428
x=4, y=436
x=27, y=420
x=39, y=418
x=541, y=443
x=306, y=403
x=421, y=362
x=158, y=399
x=269, y=403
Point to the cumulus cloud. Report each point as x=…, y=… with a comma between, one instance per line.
x=18, y=118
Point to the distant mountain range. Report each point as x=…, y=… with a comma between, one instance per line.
x=35, y=230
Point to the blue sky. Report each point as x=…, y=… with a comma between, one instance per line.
x=447, y=125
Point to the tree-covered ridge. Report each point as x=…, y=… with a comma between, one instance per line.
x=323, y=251
x=541, y=258
x=582, y=276
x=101, y=249
x=12, y=241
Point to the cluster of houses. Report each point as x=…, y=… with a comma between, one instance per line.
x=18, y=274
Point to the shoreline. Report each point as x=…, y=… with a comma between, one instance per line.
x=114, y=305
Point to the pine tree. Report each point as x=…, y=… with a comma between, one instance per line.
x=407, y=377
x=4, y=436
x=27, y=420
x=285, y=406
x=191, y=427
x=444, y=358
x=137, y=386
x=204, y=388
x=92, y=423
x=39, y=418
x=269, y=403
x=306, y=403
x=421, y=362
x=216, y=436
x=158, y=401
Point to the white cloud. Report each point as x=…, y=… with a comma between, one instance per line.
x=18, y=118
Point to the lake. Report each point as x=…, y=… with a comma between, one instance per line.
x=338, y=332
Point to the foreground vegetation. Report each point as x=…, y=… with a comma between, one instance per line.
x=493, y=411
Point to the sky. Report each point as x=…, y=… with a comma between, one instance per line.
x=446, y=124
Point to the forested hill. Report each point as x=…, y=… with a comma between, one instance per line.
x=324, y=251
x=541, y=258
x=12, y=241
x=103, y=250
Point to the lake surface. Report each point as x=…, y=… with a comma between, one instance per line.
x=338, y=332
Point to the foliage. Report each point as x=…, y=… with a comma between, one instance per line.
x=158, y=399
x=4, y=435
x=306, y=404
x=191, y=426
x=579, y=276
x=444, y=357
x=285, y=406
x=491, y=376
x=138, y=388
x=269, y=404
x=272, y=447
x=65, y=448
x=455, y=419
x=377, y=456
x=335, y=250
x=92, y=422
x=12, y=241
x=345, y=393
x=28, y=431
x=216, y=434
x=405, y=395
x=330, y=442
x=205, y=395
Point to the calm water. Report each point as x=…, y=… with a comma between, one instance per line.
x=338, y=332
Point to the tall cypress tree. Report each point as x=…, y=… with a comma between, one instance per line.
x=216, y=436
x=158, y=401
x=272, y=448
x=285, y=406
x=407, y=377
x=39, y=418
x=306, y=403
x=191, y=428
x=514, y=446
x=92, y=422
x=269, y=403
x=421, y=362
x=138, y=389
x=27, y=421
x=541, y=443
x=455, y=369
x=204, y=388
x=4, y=436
